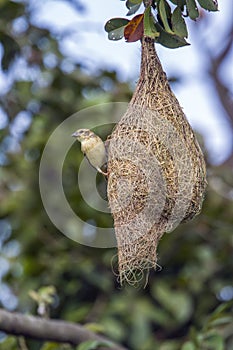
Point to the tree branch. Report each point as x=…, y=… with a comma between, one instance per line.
x=49, y=330
x=216, y=61
x=228, y=43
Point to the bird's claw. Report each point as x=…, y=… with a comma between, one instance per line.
x=102, y=172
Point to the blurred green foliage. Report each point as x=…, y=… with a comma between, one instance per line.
x=185, y=306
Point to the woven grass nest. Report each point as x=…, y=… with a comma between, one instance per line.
x=157, y=173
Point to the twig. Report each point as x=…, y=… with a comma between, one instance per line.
x=147, y=3
x=22, y=343
x=49, y=330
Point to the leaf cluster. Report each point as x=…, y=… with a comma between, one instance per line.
x=162, y=20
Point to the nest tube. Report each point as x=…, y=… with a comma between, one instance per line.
x=157, y=174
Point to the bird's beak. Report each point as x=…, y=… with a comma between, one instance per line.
x=75, y=134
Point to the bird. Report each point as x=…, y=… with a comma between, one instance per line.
x=93, y=148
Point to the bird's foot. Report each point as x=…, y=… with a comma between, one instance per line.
x=103, y=172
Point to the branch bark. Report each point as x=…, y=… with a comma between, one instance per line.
x=49, y=330
x=216, y=61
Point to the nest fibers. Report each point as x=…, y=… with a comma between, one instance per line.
x=157, y=174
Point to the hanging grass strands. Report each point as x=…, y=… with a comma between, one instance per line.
x=157, y=174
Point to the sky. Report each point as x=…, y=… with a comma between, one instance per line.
x=86, y=41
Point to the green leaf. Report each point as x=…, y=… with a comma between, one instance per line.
x=93, y=344
x=210, y=5
x=133, y=6
x=115, y=23
x=188, y=346
x=10, y=10
x=220, y=321
x=149, y=24
x=133, y=10
x=9, y=343
x=220, y=316
x=95, y=327
x=115, y=28
x=172, y=41
x=134, y=2
x=50, y=346
x=179, y=3
x=192, y=9
x=178, y=23
x=213, y=342
x=218, y=312
x=164, y=12
x=178, y=304
x=116, y=34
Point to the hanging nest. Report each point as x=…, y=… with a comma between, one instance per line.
x=157, y=174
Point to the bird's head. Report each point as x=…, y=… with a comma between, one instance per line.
x=82, y=134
